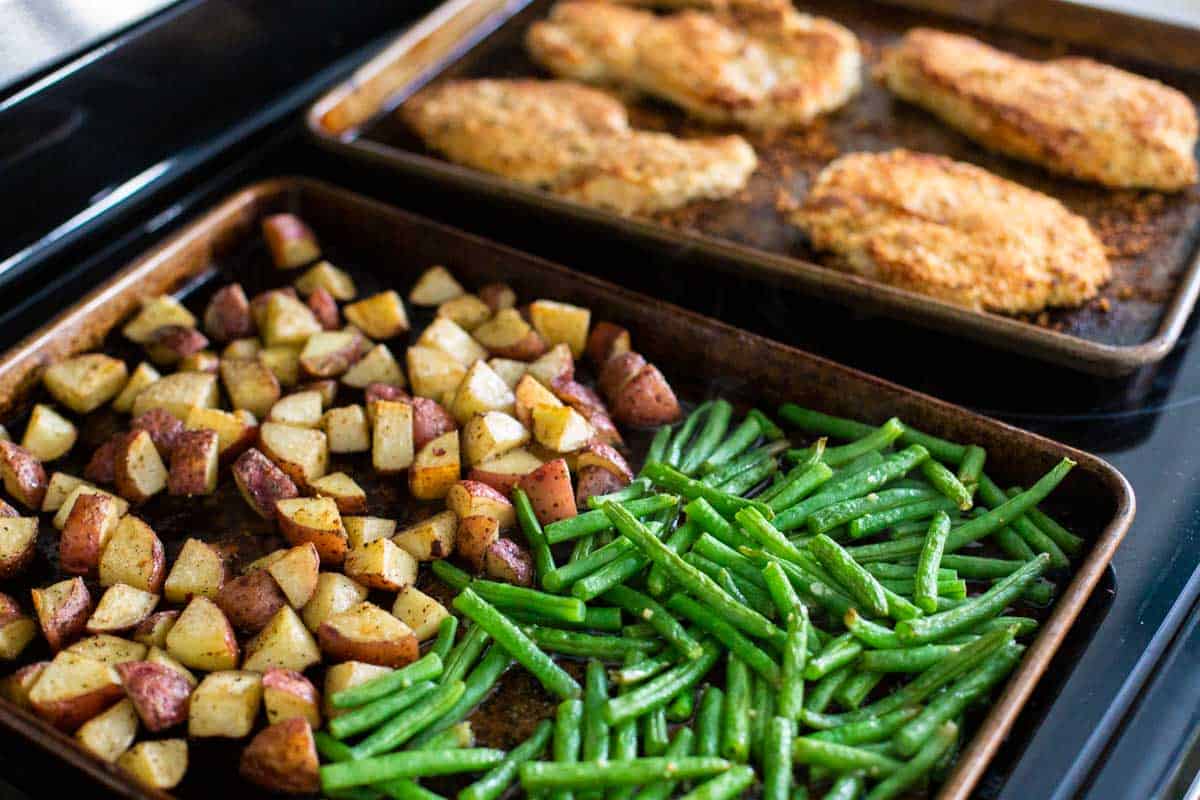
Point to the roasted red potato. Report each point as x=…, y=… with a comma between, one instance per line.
x=160, y=695
x=84, y=383
x=330, y=353
x=159, y=764
x=550, y=491
x=225, y=704
x=227, y=316
x=324, y=308
x=261, y=483
x=508, y=335
x=618, y=371
x=236, y=431
x=556, y=365
x=599, y=454
x=435, y=286
x=250, y=384
x=171, y=344
x=385, y=391
x=250, y=601
x=528, y=394
x=282, y=758
x=73, y=689
x=490, y=435
x=18, y=544
x=62, y=611
x=300, y=452
x=48, y=435
x=324, y=275
x=153, y=630
x=392, y=447
x=436, y=468
x=335, y=593
x=430, y=420
x=507, y=561
x=17, y=629
x=297, y=571
x=315, y=520
x=134, y=556
x=24, y=478
x=284, y=642
x=291, y=242
x=164, y=429
x=289, y=695
x=467, y=311
x=380, y=316
x=420, y=612
x=110, y=733
x=382, y=564
x=202, y=637
x=594, y=481
x=194, y=462
x=475, y=535
x=607, y=341
x=578, y=396
x=347, y=429
x=102, y=466
x=504, y=472
x=139, y=470
x=498, y=296
x=646, y=400
x=199, y=571
x=429, y=539
x=121, y=608
x=474, y=498
x=369, y=634
x=8, y=511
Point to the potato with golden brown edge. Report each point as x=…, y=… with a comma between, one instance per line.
x=316, y=520
x=369, y=634
x=346, y=429
x=261, y=483
x=466, y=311
x=593, y=481
x=433, y=372
x=163, y=428
x=24, y=477
x=68, y=505
x=492, y=434
x=18, y=544
x=202, y=637
x=330, y=353
x=153, y=630
x=605, y=428
x=203, y=361
x=48, y=435
x=199, y=571
x=349, y=496
x=481, y=390
x=420, y=612
x=225, y=704
x=284, y=363
x=296, y=571
x=142, y=376
x=507, y=561
x=227, y=315
x=557, y=365
x=392, y=438
x=7, y=511
x=607, y=341
x=550, y=491
x=561, y=323
x=301, y=453
x=435, y=286
x=109, y=734
x=469, y=498
x=291, y=242
x=170, y=344
x=15, y=688
x=448, y=337
x=436, y=468
x=504, y=472
x=83, y=383
x=178, y=394
x=381, y=564
x=474, y=536
x=159, y=694
x=429, y=539
x=282, y=758
x=334, y=594
x=300, y=410
x=508, y=335
x=155, y=313
x=284, y=642
x=364, y=530
x=510, y=371
x=121, y=608
x=325, y=309
x=250, y=384
x=62, y=611
x=242, y=349
x=618, y=371
x=159, y=764
x=528, y=395
x=289, y=695
x=560, y=428
x=250, y=601
x=194, y=463
x=430, y=420
x=235, y=431
x=286, y=321
x=646, y=400
x=17, y=629
x=108, y=648
x=380, y=316
x=134, y=556
x=324, y=275
x=73, y=689
x=377, y=366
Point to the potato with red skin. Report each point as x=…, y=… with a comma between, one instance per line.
x=618, y=371
x=102, y=466
x=430, y=420
x=170, y=344
x=250, y=601
x=282, y=758
x=18, y=543
x=607, y=341
x=475, y=535
x=74, y=688
x=599, y=454
x=92, y=520
x=194, y=463
x=507, y=561
x=605, y=428
x=16, y=687
x=289, y=695
x=471, y=498
x=8, y=511
x=140, y=472
x=316, y=520
x=324, y=308
x=385, y=391
x=368, y=634
x=62, y=611
x=134, y=555
x=291, y=242
x=227, y=316
x=17, y=629
x=498, y=296
x=261, y=483
x=159, y=694
x=577, y=396
x=153, y=630
x=594, y=481
x=504, y=472
x=164, y=429
x=24, y=478
x=550, y=491
x=646, y=400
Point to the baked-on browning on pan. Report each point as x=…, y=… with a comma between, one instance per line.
x=1150, y=236
x=697, y=354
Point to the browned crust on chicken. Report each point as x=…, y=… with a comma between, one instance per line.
x=954, y=231
x=1074, y=116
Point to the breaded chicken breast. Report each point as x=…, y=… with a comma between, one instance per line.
x=575, y=141
x=1073, y=116
x=758, y=65
x=952, y=230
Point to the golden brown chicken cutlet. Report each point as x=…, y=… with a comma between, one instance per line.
x=954, y=231
x=575, y=141
x=1073, y=116
x=757, y=65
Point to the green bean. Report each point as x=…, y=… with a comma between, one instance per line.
x=708, y=722
x=701, y=512
x=519, y=598
x=1067, y=541
x=594, y=521
x=680, y=540
x=912, y=771
x=869, y=524
x=925, y=592
x=624, y=745
x=798, y=485
x=495, y=782
x=860, y=464
x=656, y=734
x=795, y=660
x=822, y=692
x=680, y=747
x=971, y=613
x=643, y=669
x=815, y=422
x=838, y=653
x=806, y=463
x=673, y=455
x=908, y=570
x=635, y=489
x=870, y=633
x=597, y=618
x=842, y=757
x=582, y=548
x=725, y=556
x=952, y=702
x=595, y=729
x=586, y=645
x=649, y=610
x=659, y=691
x=830, y=517
x=762, y=708
x=675, y=481
x=906, y=659
x=543, y=558
x=375, y=712
x=947, y=587
x=846, y=787
x=682, y=707
x=426, y=668
x=478, y=684
x=854, y=691
x=979, y=567
x=728, y=785
x=408, y=764
x=811, y=588
x=742, y=437
x=874, y=729
x=520, y=646
x=639, y=630
x=948, y=484
x=766, y=535
x=562, y=577
x=722, y=576
x=783, y=594
x=744, y=481
x=777, y=759
x=745, y=461
x=447, y=630
x=399, y=729
x=971, y=466
x=715, y=426
x=568, y=737
x=691, y=579
x=703, y=618
x=992, y=495
x=860, y=584
x=735, y=733
x=451, y=575
x=540, y=776
x=1040, y=592
x=880, y=438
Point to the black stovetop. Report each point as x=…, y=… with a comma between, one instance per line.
x=102, y=159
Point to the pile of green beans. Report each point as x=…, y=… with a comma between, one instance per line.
x=808, y=608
